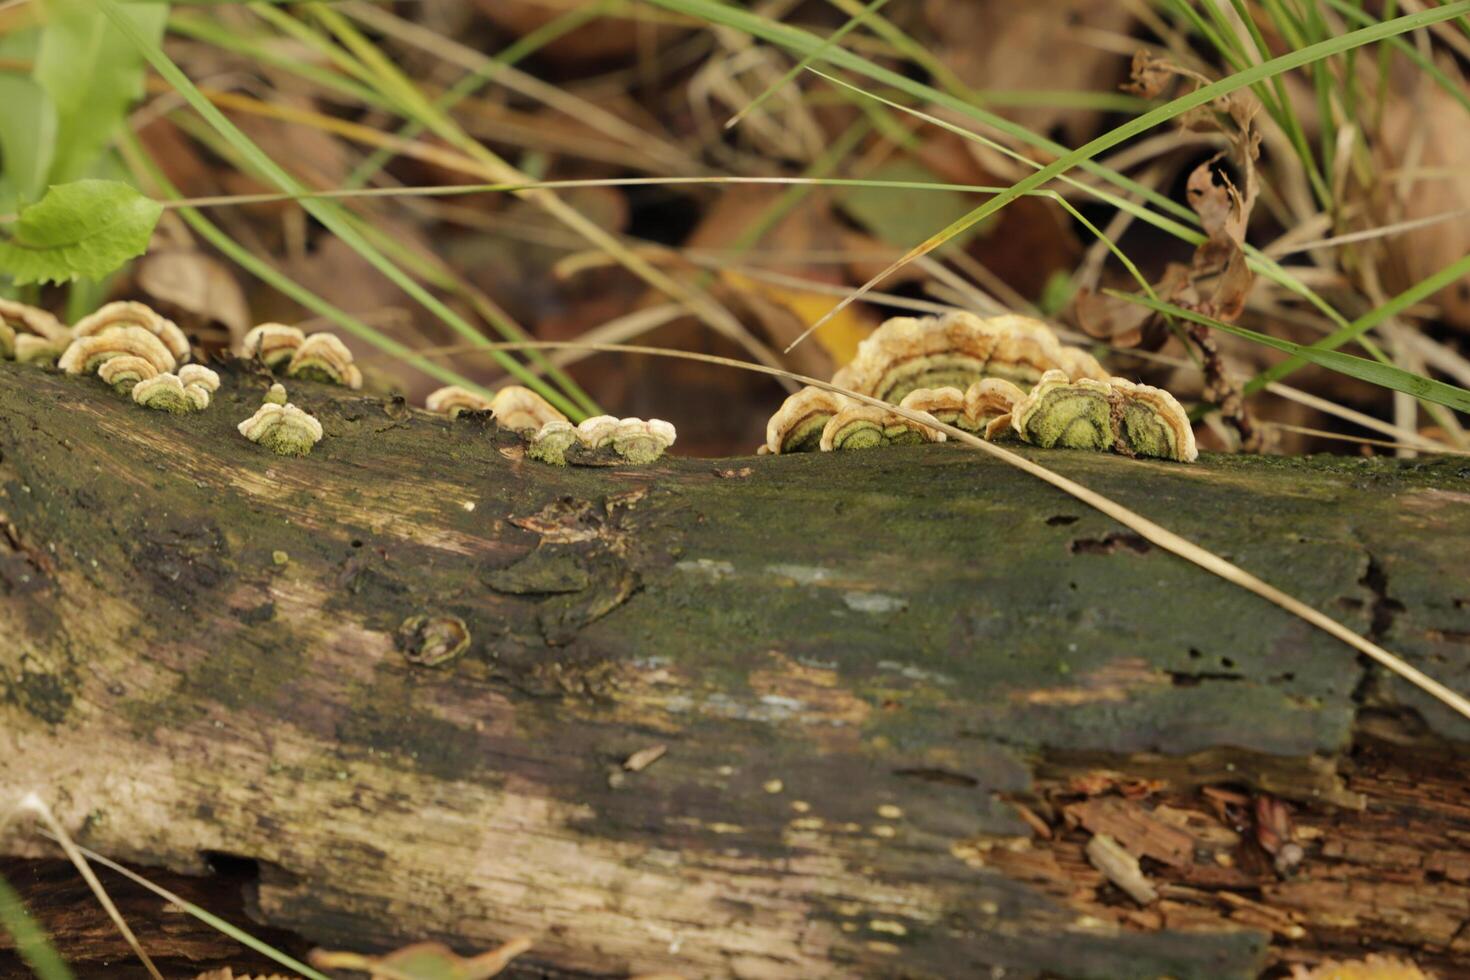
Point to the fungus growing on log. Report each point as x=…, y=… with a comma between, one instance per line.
x=797, y=425
x=122, y=316
x=1116, y=415
x=636, y=441
x=988, y=400
x=956, y=350
x=273, y=343
x=283, y=429
x=323, y=357
x=551, y=442
x=29, y=333
x=84, y=354
x=200, y=384
x=452, y=399
x=946, y=404
x=163, y=393
x=864, y=427
x=642, y=441
x=522, y=410
x=276, y=395
x=124, y=372
x=433, y=640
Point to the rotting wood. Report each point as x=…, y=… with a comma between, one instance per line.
x=202, y=657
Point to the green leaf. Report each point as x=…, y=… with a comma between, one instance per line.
x=82, y=230
x=1383, y=375
x=27, y=127
x=93, y=74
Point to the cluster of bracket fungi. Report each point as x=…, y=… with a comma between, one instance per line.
x=1005, y=377
x=598, y=441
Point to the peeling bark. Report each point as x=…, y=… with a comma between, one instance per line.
x=879, y=677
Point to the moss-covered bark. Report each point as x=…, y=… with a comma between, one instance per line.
x=859, y=663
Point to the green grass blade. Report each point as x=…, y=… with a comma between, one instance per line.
x=30, y=939
x=1171, y=110
x=1419, y=291
x=330, y=216
x=1373, y=372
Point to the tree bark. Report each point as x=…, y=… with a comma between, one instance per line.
x=898, y=692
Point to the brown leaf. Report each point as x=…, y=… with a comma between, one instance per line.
x=189, y=281
x=1108, y=318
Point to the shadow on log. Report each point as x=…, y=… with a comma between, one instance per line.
x=886, y=683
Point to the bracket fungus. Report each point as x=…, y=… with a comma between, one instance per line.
x=430, y=641
x=1117, y=415
x=323, y=357
x=273, y=343
x=957, y=349
x=636, y=441
x=29, y=333
x=200, y=384
x=452, y=399
x=522, y=410
x=124, y=316
x=163, y=393
x=283, y=429
x=124, y=372
x=864, y=427
x=797, y=425
x=85, y=354
x=276, y=395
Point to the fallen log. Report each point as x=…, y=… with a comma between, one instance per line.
x=800, y=716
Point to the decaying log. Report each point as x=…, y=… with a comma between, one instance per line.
x=898, y=690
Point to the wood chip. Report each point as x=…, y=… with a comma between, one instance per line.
x=1136, y=829
x=643, y=758
x=1121, y=868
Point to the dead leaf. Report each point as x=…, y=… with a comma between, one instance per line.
x=424, y=961
x=189, y=281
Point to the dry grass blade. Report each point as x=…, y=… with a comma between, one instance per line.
x=1150, y=531
x=33, y=804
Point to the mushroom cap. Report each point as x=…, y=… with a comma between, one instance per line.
x=988, y=399
x=955, y=350
x=126, y=371
x=198, y=374
x=945, y=404
x=323, y=357
x=452, y=399
x=1153, y=423
x=30, y=349
x=867, y=426
x=21, y=318
x=796, y=426
x=114, y=316
x=1061, y=412
x=597, y=431
x=522, y=410
x=276, y=394
x=164, y=392
x=83, y=354
x=642, y=441
x=273, y=343
x=283, y=429
x=551, y=442
x=198, y=396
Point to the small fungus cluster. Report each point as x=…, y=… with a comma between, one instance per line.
x=280, y=426
x=315, y=357
x=552, y=437
x=1003, y=377
x=29, y=334
x=140, y=354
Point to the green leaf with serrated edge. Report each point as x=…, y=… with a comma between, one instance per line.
x=83, y=230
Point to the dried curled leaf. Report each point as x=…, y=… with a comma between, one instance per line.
x=452, y=399
x=84, y=354
x=636, y=441
x=1115, y=415
x=522, y=410
x=283, y=429
x=26, y=331
x=273, y=343
x=956, y=350
x=122, y=315
x=866, y=427
x=424, y=961
x=797, y=425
